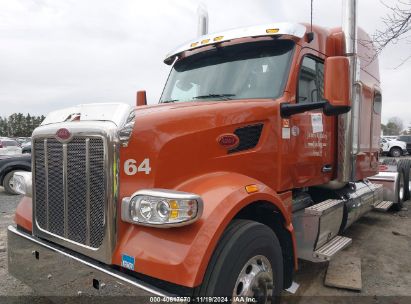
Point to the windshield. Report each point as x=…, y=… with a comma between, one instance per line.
x=249, y=70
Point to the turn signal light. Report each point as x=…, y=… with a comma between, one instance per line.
x=251, y=188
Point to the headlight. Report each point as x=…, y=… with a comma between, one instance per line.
x=125, y=132
x=161, y=208
x=22, y=183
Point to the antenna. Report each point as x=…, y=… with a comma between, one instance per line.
x=312, y=15
x=202, y=28
x=310, y=35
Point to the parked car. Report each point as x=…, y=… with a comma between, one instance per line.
x=22, y=140
x=10, y=164
x=407, y=140
x=393, y=147
x=26, y=147
x=9, y=146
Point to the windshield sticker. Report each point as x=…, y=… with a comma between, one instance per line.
x=317, y=123
x=127, y=261
x=286, y=134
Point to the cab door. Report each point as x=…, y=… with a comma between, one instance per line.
x=313, y=134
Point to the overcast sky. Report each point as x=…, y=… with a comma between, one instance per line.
x=58, y=53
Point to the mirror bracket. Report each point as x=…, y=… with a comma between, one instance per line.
x=288, y=109
x=331, y=110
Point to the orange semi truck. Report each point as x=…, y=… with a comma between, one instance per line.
x=262, y=150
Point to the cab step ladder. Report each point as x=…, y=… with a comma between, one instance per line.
x=383, y=206
x=329, y=249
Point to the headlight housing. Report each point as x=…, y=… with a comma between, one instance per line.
x=22, y=183
x=161, y=208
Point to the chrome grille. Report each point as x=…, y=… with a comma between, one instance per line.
x=70, y=189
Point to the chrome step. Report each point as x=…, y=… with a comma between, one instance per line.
x=324, y=207
x=329, y=249
x=383, y=206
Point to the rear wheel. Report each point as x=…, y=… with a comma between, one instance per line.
x=400, y=190
x=8, y=183
x=246, y=263
x=395, y=152
x=405, y=165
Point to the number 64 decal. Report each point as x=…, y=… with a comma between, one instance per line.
x=130, y=166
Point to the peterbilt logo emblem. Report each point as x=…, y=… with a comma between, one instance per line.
x=228, y=141
x=63, y=134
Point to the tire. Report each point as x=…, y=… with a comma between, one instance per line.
x=395, y=152
x=244, y=250
x=7, y=182
x=405, y=165
x=400, y=190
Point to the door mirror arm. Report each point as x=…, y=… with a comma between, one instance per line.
x=331, y=110
x=288, y=109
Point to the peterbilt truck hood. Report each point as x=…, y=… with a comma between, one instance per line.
x=180, y=141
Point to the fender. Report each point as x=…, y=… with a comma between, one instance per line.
x=180, y=255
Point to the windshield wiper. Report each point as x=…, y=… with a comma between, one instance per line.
x=224, y=96
x=169, y=101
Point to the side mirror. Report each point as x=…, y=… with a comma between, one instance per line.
x=337, y=89
x=337, y=85
x=141, y=98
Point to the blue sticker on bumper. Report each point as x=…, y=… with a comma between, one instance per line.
x=127, y=261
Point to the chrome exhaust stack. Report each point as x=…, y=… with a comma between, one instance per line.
x=202, y=27
x=348, y=124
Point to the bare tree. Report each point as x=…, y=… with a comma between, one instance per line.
x=393, y=127
x=397, y=25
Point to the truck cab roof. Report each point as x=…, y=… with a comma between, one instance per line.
x=271, y=29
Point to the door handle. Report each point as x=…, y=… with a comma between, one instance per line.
x=327, y=168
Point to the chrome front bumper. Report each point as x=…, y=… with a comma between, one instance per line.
x=53, y=271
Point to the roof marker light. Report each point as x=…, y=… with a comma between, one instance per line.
x=272, y=31
x=205, y=41
x=194, y=44
x=218, y=38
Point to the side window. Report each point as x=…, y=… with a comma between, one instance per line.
x=311, y=81
x=377, y=103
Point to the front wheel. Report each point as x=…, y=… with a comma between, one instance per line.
x=247, y=262
x=8, y=183
x=395, y=152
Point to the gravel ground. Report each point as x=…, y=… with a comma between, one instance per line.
x=9, y=286
x=381, y=240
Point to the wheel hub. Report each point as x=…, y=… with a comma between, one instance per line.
x=255, y=280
